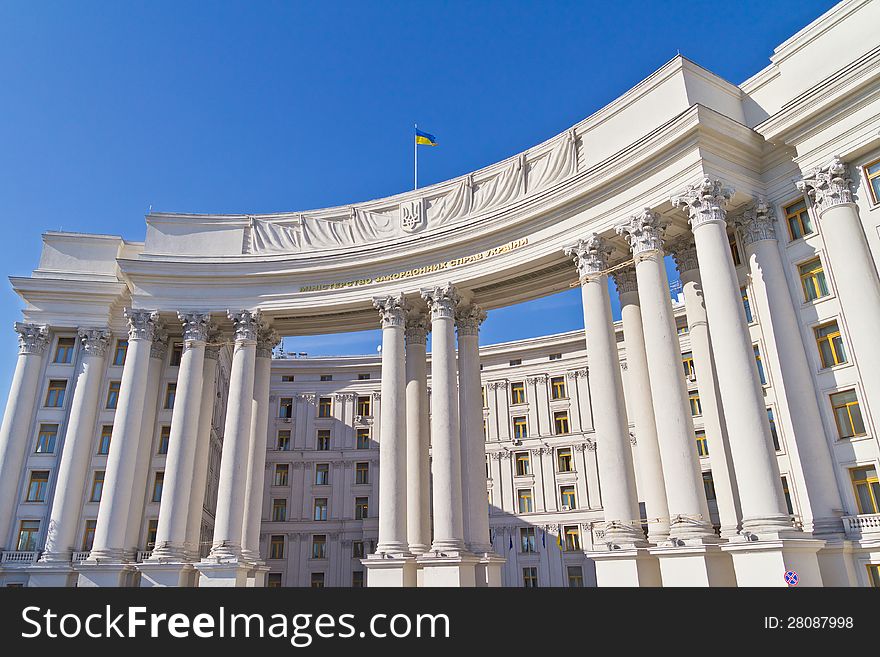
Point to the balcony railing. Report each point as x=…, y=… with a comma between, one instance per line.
x=862, y=524
x=143, y=555
x=76, y=557
x=19, y=557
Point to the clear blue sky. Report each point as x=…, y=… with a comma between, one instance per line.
x=108, y=108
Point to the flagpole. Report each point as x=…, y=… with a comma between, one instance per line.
x=415, y=159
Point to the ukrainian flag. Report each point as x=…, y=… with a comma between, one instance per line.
x=425, y=139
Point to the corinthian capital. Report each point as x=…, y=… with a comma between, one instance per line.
x=246, y=324
x=32, y=338
x=142, y=324
x=590, y=255
x=643, y=232
x=195, y=326
x=94, y=340
x=684, y=252
x=442, y=300
x=827, y=185
x=625, y=280
x=705, y=202
x=417, y=329
x=468, y=321
x=757, y=223
x=267, y=339
x=392, y=310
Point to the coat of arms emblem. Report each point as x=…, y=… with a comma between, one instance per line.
x=412, y=215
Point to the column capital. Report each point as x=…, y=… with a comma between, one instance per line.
x=705, y=202
x=417, y=328
x=625, y=280
x=267, y=340
x=212, y=348
x=142, y=324
x=468, y=321
x=590, y=255
x=392, y=310
x=684, y=252
x=246, y=323
x=94, y=340
x=195, y=326
x=828, y=185
x=442, y=300
x=756, y=223
x=32, y=338
x=643, y=232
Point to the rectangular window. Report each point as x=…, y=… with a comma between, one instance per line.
x=527, y=539
x=287, y=378
x=515, y=361
x=518, y=393
x=830, y=343
x=317, y=581
x=279, y=509
x=787, y=494
x=524, y=499
x=276, y=547
x=557, y=387
x=170, y=394
x=323, y=440
x=164, y=437
x=762, y=376
x=104, y=439
x=357, y=579
x=520, y=428
x=113, y=394
x=273, y=581
x=55, y=393
x=709, y=485
x=120, y=352
x=575, y=577
x=282, y=474
x=560, y=423
x=319, y=546
x=324, y=407
x=696, y=406
x=774, y=433
x=357, y=549
x=46, y=438
x=176, y=354
x=734, y=251
x=568, y=497
x=89, y=535
x=322, y=474
x=572, y=538
x=326, y=377
x=797, y=217
x=363, y=405
x=361, y=508
x=847, y=414
x=702, y=443
x=687, y=363
x=157, y=487
x=872, y=173
x=365, y=376
x=483, y=396
x=283, y=442
x=747, y=306
x=564, y=461
x=683, y=329
x=285, y=407
x=362, y=473
x=37, y=486
x=64, y=350
x=320, y=509
x=813, y=281
x=152, y=530
x=523, y=464
x=530, y=577
x=97, y=486
x=27, y=535
x=363, y=439
x=556, y=356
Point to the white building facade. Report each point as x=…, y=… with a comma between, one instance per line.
x=723, y=439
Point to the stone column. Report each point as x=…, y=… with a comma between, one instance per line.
x=685, y=253
x=648, y=447
x=418, y=464
x=686, y=497
x=853, y=267
x=73, y=467
x=15, y=430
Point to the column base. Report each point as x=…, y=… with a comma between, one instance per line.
x=448, y=570
x=222, y=574
x=836, y=563
x=166, y=573
x=694, y=564
x=92, y=574
x=487, y=571
x=626, y=567
x=390, y=571
x=764, y=562
x=52, y=574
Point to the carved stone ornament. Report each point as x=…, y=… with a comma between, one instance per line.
x=632, y=438
x=159, y=345
x=827, y=185
x=32, y=338
x=345, y=396
x=643, y=232
x=412, y=215
x=757, y=223
x=625, y=280
x=443, y=300
x=537, y=379
x=705, y=202
x=392, y=310
x=590, y=255
x=416, y=329
x=578, y=374
x=267, y=340
x=376, y=396
x=141, y=323
x=468, y=321
x=497, y=385
x=195, y=326
x=684, y=252
x=94, y=340
x=246, y=324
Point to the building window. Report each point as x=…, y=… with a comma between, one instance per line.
x=285, y=407
x=283, y=441
x=322, y=474
x=362, y=473
x=569, y=499
x=556, y=356
x=320, y=509
x=696, y=406
x=872, y=173
x=89, y=535
x=176, y=354
x=64, y=350
x=323, y=440
x=747, y=306
x=317, y=581
x=357, y=549
x=273, y=581
x=557, y=387
x=157, y=486
x=527, y=539
x=365, y=376
x=847, y=414
x=830, y=343
x=709, y=485
x=27, y=535
x=560, y=423
x=46, y=438
x=687, y=363
x=97, y=486
x=787, y=494
x=287, y=378
x=104, y=439
x=164, y=437
x=762, y=376
x=152, y=530
x=813, y=280
x=363, y=406
x=324, y=407
x=357, y=579
x=120, y=352
x=524, y=499
x=575, y=577
x=572, y=538
x=530, y=577
x=518, y=393
x=319, y=546
x=564, y=461
x=282, y=474
x=363, y=439
x=361, y=508
x=734, y=251
x=774, y=433
x=55, y=393
x=37, y=487
x=113, y=395
x=520, y=428
x=326, y=377
x=523, y=464
x=515, y=361
x=702, y=443
x=279, y=510
x=170, y=394
x=276, y=547
x=682, y=330
x=483, y=396
x=797, y=216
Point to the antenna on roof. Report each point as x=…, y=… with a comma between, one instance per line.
x=150, y=211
